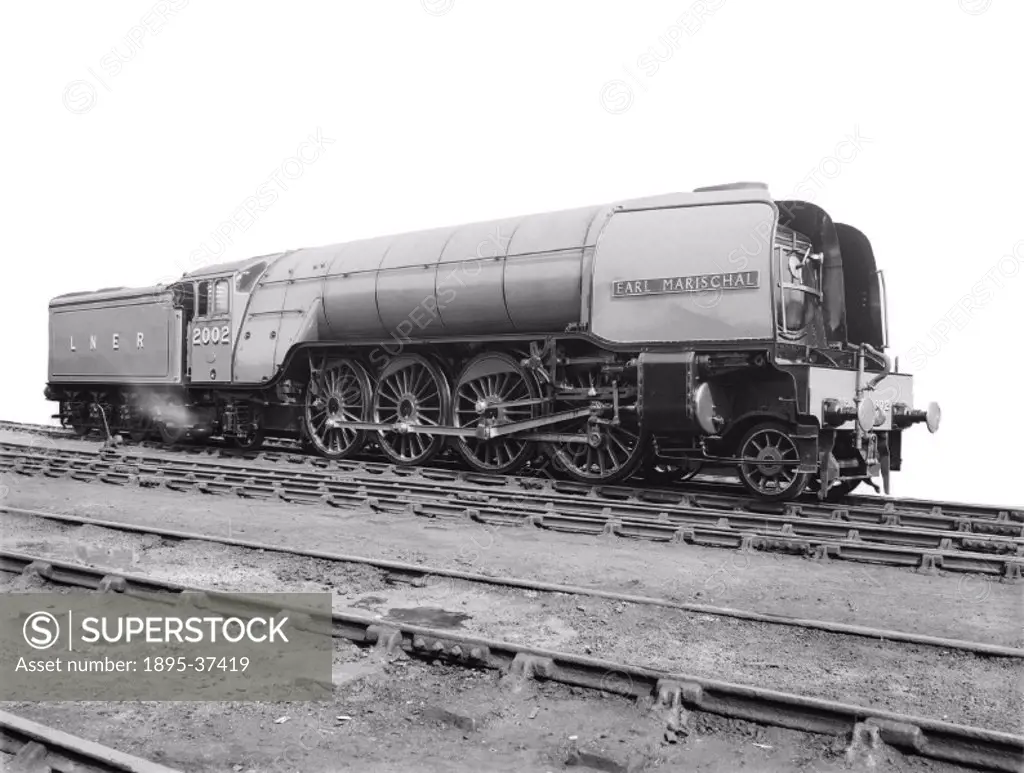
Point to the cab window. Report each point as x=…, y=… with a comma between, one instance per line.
x=220, y=297
x=203, y=300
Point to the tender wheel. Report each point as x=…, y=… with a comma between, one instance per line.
x=338, y=392
x=485, y=393
x=79, y=420
x=411, y=391
x=771, y=472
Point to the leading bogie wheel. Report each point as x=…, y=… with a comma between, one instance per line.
x=771, y=460
x=486, y=394
x=412, y=391
x=338, y=392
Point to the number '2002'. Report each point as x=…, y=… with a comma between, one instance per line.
x=211, y=335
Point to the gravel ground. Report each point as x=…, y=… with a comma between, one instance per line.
x=927, y=681
x=406, y=725
x=406, y=715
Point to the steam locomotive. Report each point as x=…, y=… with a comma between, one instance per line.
x=649, y=336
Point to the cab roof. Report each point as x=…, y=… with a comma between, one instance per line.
x=221, y=269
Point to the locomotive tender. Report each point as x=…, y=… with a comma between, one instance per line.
x=649, y=335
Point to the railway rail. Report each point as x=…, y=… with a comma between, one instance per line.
x=709, y=489
x=30, y=747
x=928, y=541
x=404, y=570
x=669, y=692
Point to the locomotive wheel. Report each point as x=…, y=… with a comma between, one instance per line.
x=171, y=420
x=339, y=392
x=487, y=381
x=611, y=455
x=171, y=435
x=140, y=427
x=774, y=476
x=411, y=390
x=252, y=437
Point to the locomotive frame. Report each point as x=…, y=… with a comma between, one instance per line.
x=794, y=391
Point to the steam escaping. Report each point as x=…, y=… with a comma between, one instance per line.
x=167, y=410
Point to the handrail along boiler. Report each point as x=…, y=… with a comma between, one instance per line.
x=647, y=336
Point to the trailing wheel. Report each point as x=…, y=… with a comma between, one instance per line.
x=251, y=434
x=337, y=392
x=172, y=419
x=486, y=394
x=771, y=460
x=412, y=391
x=140, y=427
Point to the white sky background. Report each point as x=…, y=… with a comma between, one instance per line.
x=447, y=112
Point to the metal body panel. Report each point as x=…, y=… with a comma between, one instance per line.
x=491, y=278
x=302, y=310
x=284, y=309
x=350, y=290
x=825, y=383
x=209, y=349
x=406, y=282
x=254, y=351
x=682, y=242
x=543, y=280
x=470, y=276
x=116, y=337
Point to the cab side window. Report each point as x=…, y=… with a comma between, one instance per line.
x=203, y=300
x=220, y=297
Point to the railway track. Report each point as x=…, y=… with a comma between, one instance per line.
x=28, y=747
x=987, y=544
x=711, y=490
x=668, y=692
x=403, y=571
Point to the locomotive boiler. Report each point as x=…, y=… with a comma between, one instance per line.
x=648, y=336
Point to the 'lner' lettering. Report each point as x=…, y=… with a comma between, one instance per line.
x=115, y=342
